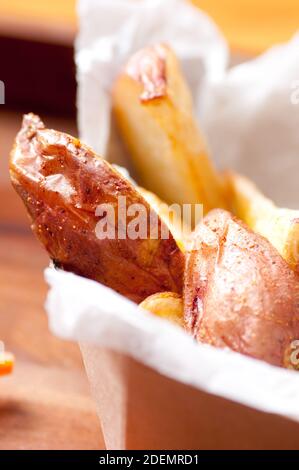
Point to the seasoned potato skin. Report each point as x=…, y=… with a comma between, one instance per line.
x=61, y=182
x=239, y=292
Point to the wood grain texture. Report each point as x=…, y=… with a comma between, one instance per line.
x=45, y=403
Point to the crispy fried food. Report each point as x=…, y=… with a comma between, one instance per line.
x=279, y=226
x=239, y=292
x=153, y=110
x=170, y=217
x=62, y=183
x=168, y=305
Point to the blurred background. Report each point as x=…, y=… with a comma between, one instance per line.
x=37, y=67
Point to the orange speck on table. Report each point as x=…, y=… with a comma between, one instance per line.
x=6, y=363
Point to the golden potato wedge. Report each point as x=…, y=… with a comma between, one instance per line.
x=239, y=292
x=63, y=183
x=153, y=109
x=170, y=217
x=168, y=305
x=279, y=226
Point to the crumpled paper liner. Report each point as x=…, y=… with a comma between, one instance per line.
x=154, y=386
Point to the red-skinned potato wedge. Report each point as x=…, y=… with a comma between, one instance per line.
x=153, y=109
x=239, y=292
x=62, y=182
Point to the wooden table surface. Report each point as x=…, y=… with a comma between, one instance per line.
x=45, y=403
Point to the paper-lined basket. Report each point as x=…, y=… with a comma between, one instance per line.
x=155, y=388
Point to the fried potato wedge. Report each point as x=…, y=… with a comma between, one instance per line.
x=279, y=226
x=170, y=217
x=153, y=110
x=239, y=292
x=168, y=305
x=63, y=183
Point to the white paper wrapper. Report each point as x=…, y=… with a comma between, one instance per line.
x=251, y=125
x=87, y=312
x=251, y=119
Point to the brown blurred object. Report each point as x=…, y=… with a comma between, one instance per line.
x=38, y=76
